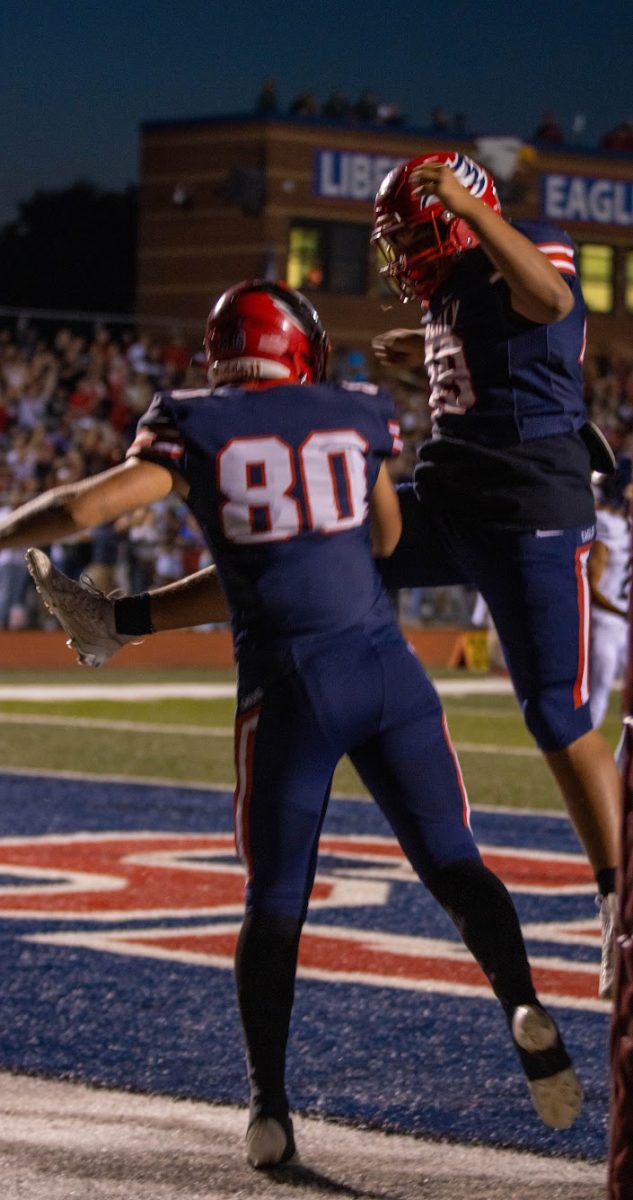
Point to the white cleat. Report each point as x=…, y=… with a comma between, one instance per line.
x=554, y=1086
x=268, y=1144
x=84, y=613
x=608, y=908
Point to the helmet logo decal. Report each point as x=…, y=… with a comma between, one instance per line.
x=469, y=173
x=273, y=343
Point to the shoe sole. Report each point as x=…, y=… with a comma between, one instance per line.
x=557, y=1098
x=87, y=658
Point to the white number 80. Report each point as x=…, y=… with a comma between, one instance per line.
x=257, y=474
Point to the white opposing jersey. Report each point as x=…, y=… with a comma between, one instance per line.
x=609, y=632
x=614, y=531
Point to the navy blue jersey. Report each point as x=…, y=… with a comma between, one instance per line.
x=279, y=483
x=497, y=378
x=506, y=398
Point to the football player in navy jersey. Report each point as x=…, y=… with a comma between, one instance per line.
x=501, y=498
x=287, y=478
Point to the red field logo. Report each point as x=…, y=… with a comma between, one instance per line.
x=180, y=897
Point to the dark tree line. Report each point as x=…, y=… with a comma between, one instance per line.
x=71, y=249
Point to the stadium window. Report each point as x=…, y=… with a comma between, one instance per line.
x=596, y=275
x=628, y=281
x=305, y=257
x=328, y=256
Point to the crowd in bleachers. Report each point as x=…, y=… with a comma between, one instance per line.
x=68, y=408
x=69, y=405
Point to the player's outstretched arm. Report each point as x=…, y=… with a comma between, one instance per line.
x=64, y=511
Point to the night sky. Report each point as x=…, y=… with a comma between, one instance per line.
x=78, y=77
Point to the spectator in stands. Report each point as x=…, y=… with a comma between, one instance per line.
x=175, y=358
x=548, y=130
x=390, y=114
x=336, y=108
x=304, y=105
x=14, y=577
x=366, y=108
x=440, y=121
x=141, y=533
x=267, y=103
x=618, y=138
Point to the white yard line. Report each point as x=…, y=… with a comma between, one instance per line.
x=219, y=731
x=205, y=691
x=71, y=722
x=118, y=691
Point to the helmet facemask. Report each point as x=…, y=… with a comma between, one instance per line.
x=415, y=266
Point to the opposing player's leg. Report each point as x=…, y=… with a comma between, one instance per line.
x=412, y=770
x=537, y=592
x=608, y=653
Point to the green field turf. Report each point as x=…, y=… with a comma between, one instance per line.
x=190, y=740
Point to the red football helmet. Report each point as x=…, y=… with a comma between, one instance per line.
x=415, y=268
x=259, y=330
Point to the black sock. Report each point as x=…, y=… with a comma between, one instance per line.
x=481, y=908
x=606, y=880
x=265, y=968
x=132, y=615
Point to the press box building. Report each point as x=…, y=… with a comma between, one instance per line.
x=230, y=198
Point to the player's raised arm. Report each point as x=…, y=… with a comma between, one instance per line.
x=538, y=290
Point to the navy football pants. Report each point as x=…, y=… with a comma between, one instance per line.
x=363, y=693
x=535, y=585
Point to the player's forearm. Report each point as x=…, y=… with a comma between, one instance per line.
x=46, y=518
x=197, y=600
x=538, y=290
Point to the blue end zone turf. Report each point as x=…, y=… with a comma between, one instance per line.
x=119, y=905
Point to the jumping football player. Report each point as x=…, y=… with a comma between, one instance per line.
x=286, y=476
x=501, y=497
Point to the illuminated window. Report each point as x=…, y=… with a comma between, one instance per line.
x=596, y=276
x=328, y=256
x=628, y=281
x=305, y=257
